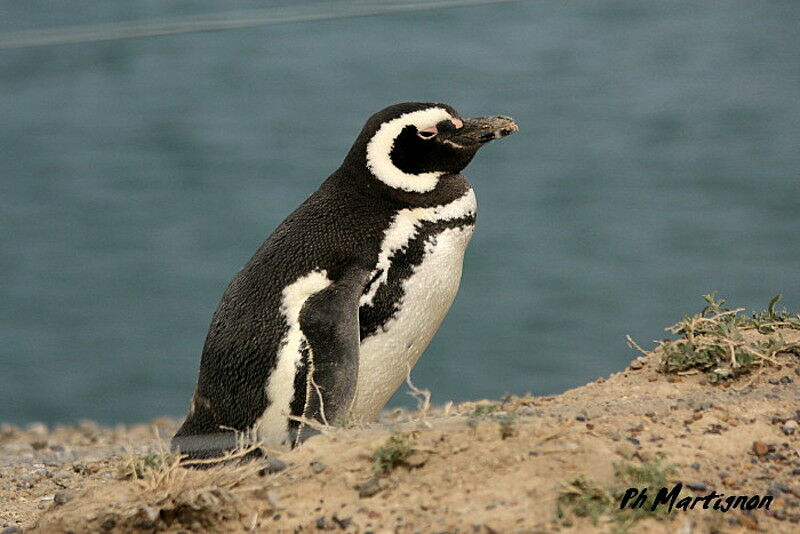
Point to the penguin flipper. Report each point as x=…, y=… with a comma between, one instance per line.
x=329, y=321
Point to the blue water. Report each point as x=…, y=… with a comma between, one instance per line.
x=657, y=160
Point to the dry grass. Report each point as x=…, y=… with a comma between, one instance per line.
x=161, y=493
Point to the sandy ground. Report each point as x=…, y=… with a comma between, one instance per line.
x=475, y=468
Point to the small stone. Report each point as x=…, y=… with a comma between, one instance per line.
x=786, y=380
x=696, y=486
x=695, y=466
x=274, y=465
x=773, y=381
x=634, y=441
x=760, y=448
x=745, y=391
x=368, y=488
x=790, y=427
x=108, y=523
x=342, y=522
x=62, y=496
x=318, y=467
x=636, y=365
x=322, y=524
x=13, y=529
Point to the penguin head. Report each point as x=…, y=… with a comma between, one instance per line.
x=409, y=147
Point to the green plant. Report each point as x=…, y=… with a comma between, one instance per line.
x=714, y=340
x=394, y=452
x=584, y=498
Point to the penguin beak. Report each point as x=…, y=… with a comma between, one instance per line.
x=481, y=130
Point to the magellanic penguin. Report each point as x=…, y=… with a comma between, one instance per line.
x=326, y=319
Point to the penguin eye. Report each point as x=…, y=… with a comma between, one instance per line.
x=428, y=133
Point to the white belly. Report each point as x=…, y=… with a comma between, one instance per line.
x=387, y=356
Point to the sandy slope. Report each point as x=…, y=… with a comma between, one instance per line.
x=465, y=476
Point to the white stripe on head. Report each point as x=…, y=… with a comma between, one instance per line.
x=379, y=150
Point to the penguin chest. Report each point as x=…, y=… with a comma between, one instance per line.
x=408, y=298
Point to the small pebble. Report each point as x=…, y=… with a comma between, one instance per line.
x=368, y=488
x=13, y=529
x=62, y=496
x=786, y=380
x=636, y=365
x=634, y=441
x=342, y=522
x=773, y=381
x=696, y=486
x=790, y=427
x=108, y=523
x=322, y=524
x=318, y=467
x=760, y=448
x=274, y=465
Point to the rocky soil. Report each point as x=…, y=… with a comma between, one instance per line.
x=480, y=467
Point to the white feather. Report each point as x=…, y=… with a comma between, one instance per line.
x=386, y=357
x=271, y=428
x=404, y=227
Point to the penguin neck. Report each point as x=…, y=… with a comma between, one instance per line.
x=362, y=183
